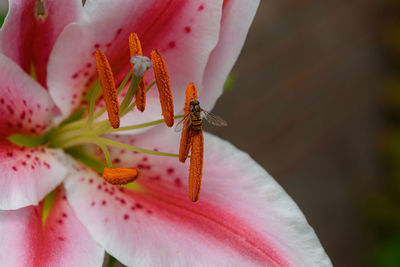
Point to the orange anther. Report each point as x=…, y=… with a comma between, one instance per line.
x=196, y=165
x=164, y=87
x=120, y=176
x=186, y=135
x=107, y=84
x=141, y=96
x=135, y=48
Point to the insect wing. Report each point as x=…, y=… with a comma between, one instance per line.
x=213, y=119
x=183, y=123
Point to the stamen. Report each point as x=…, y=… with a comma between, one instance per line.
x=120, y=176
x=196, y=166
x=141, y=96
x=186, y=135
x=164, y=87
x=135, y=49
x=107, y=83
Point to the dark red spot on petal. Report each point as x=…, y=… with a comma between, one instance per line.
x=178, y=182
x=10, y=109
x=170, y=170
x=201, y=7
x=93, y=203
x=138, y=205
x=97, y=46
x=103, y=203
x=14, y=168
x=126, y=217
x=187, y=29
x=172, y=44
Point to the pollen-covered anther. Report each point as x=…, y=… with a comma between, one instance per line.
x=140, y=65
x=196, y=165
x=120, y=176
x=107, y=84
x=135, y=49
x=164, y=87
x=186, y=135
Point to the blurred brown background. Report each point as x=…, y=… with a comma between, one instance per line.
x=305, y=98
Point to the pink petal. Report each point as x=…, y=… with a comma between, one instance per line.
x=25, y=106
x=185, y=32
x=63, y=241
x=27, y=39
x=28, y=174
x=237, y=16
x=243, y=216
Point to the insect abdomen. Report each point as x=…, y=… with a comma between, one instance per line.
x=196, y=122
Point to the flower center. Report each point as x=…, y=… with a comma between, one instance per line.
x=78, y=130
x=85, y=127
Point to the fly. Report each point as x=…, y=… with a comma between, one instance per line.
x=194, y=118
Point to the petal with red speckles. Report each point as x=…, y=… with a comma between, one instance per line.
x=243, y=216
x=28, y=174
x=28, y=39
x=185, y=32
x=25, y=106
x=62, y=241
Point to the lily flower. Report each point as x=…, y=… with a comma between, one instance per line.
x=55, y=207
